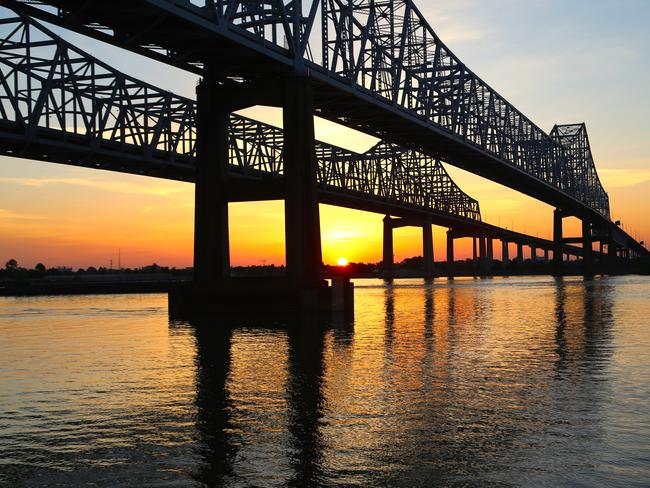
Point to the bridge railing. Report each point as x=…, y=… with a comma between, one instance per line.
x=50, y=89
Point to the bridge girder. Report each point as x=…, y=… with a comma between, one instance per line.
x=381, y=55
x=60, y=104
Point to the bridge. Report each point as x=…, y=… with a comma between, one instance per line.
x=380, y=69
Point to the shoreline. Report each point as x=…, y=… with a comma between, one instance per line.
x=166, y=284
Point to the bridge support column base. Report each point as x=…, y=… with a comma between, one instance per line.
x=262, y=296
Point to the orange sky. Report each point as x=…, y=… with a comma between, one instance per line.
x=62, y=215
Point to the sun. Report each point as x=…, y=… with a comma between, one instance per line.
x=342, y=261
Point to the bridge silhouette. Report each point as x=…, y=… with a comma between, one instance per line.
x=374, y=66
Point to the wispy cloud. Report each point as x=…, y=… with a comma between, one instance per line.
x=10, y=215
x=621, y=178
x=126, y=187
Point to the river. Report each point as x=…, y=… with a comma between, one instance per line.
x=530, y=381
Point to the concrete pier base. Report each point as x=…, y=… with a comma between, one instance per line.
x=265, y=296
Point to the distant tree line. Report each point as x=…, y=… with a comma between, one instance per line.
x=13, y=270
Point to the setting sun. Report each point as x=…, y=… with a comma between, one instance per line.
x=342, y=262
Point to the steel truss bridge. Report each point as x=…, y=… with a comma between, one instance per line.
x=380, y=68
x=60, y=104
x=376, y=66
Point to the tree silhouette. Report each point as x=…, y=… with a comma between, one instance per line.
x=11, y=265
x=40, y=267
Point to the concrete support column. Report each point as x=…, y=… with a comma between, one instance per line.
x=302, y=222
x=427, y=247
x=474, y=253
x=587, y=243
x=546, y=255
x=557, y=237
x=482, y=251
x=388, y=247
x=505, y=253
x=211, y=248
x=450, y=251
x=520, y=253
x=611, y=253
x=490, y=254
x=533, y=253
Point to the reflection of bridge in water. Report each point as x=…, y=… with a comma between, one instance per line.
x=373, y=66
x=424, y=392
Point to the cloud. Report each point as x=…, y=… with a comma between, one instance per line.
x=117, y=186
x=621, y=178
x=10, y=215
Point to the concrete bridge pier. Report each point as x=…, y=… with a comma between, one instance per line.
x=388, y=256
x=450, y=252
x=612, y=253
x=558, y=255
x=520, y=253
x=427, y=248
x=211, y=248
x=482, y=251
x=587, y=246
x=533, y=253
x=426, y=224
x=489, y=264
x=302, y=289
x=475, y=262
x=505, y=254
x=302, y=220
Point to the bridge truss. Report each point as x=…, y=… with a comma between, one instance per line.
x=58, y=103
x=383, y=54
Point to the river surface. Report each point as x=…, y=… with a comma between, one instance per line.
x=494, y=382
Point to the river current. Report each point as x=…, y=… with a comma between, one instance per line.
x=472, y=382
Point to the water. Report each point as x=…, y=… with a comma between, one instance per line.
x=498, y=382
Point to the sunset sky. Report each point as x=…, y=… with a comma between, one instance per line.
x=557, y=61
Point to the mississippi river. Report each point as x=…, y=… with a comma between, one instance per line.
x=494, y=382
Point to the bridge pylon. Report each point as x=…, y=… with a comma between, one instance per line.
x=302, y=220
x=587, y=246
x=388, y=257
x=558, y=255
x=303, y=287
x=211, y=248
x=426, y=223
